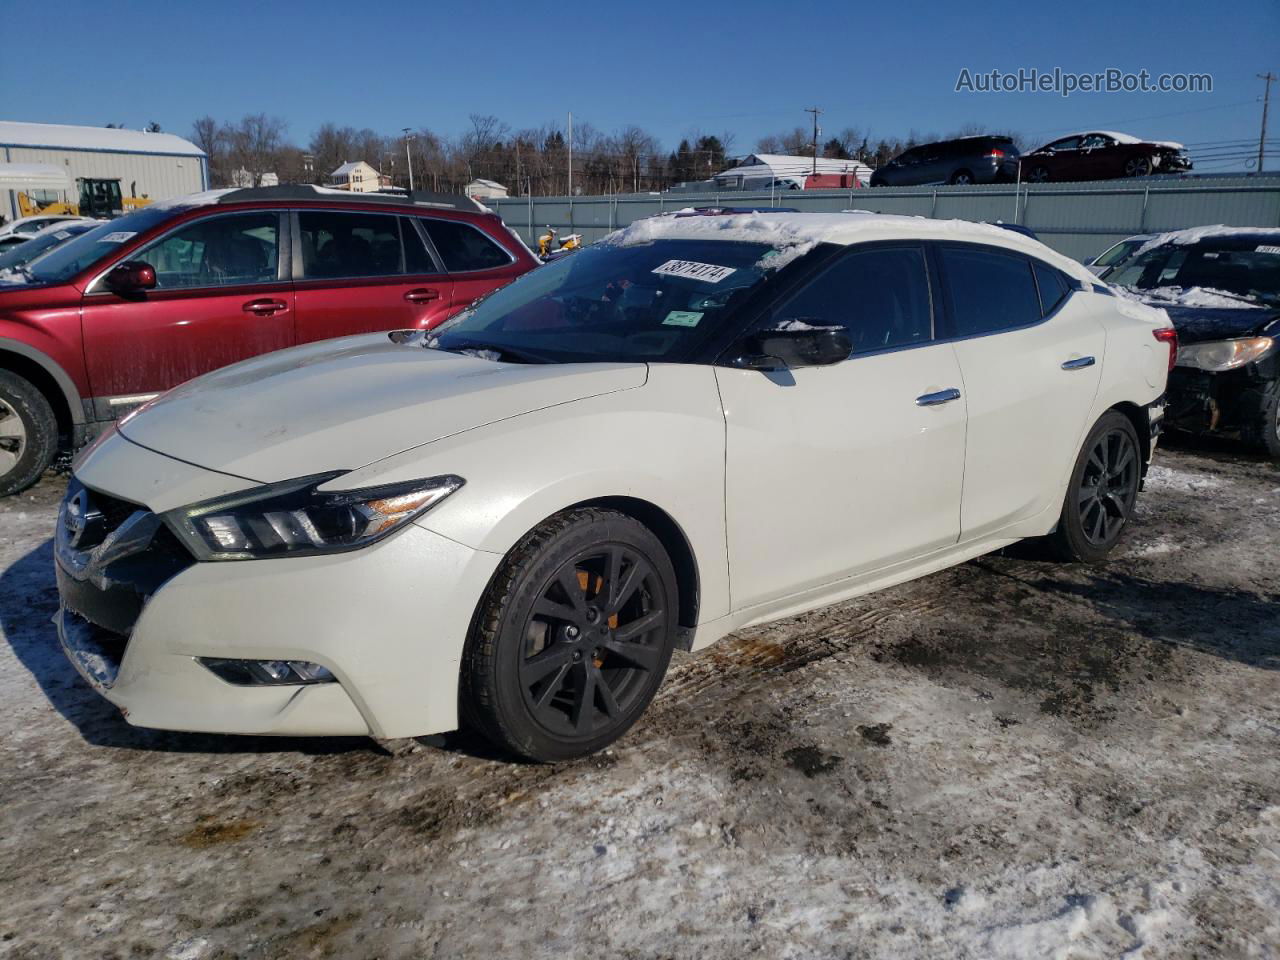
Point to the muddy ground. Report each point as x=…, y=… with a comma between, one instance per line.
x=1008, y=759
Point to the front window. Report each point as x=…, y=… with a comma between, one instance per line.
x=216, y=252
x=95, y=247
x=1247, y=271
x=646, y=302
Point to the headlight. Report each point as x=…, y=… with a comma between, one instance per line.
x=293, y=518
x=1221, y=355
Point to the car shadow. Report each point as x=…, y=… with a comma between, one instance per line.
x=28, y=601
x=1217, y=448
x=1226, y=622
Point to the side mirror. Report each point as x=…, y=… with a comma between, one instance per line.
x=797, y=347
x=132, y=276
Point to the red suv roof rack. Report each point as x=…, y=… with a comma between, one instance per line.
x=307, y=191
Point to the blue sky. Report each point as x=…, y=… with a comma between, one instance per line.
x=673, y=68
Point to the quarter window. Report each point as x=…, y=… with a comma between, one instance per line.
x=217, y=252
x=349, y=245
x=880, y=297
x=1051, y=285
x=988, y=290
x=462, y=247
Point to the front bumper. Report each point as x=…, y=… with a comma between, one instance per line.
x=1227, y=402
x=389, y=621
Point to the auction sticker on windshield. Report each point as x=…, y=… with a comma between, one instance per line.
x=692, y=270
x=682, y=318
x=120, y=236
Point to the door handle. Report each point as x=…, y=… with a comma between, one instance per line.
x=938, y=398
x=264, y=308
x=1079, y=363
x=422, y=295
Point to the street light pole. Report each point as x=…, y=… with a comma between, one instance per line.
x=1266, y=101
x=815, y=111
x=408, y=157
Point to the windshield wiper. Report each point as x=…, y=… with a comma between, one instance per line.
x=509, y=354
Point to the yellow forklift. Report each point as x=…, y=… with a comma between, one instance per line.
x=100, y=198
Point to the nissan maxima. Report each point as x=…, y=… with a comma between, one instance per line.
x=512, y=521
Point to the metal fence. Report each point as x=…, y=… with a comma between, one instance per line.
x=1077, y=219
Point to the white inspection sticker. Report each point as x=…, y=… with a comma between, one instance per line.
x=682, y=318
x=692, y=270
x=1267, y=248
x=61, y=235
x=120, y=236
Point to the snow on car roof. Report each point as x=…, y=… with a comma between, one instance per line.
x=1196, y=234
x=69, y=137
x=1120, y=138
x=795, y=234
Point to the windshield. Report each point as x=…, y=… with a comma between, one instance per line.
x=1119, y=252
x=41, y=244
x=648, y=302
x=1244, y=269
x=64, y=262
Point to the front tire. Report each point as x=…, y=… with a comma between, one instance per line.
x=1102, y=492
x=28, y=433
x=1138, y=167
x=572, y=638
x=1263, y=430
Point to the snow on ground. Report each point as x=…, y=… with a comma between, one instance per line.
x=1009, y=759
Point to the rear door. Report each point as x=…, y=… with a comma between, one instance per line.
x=221, y=296
x=1031, y=372
x=361, y=272
x=477, y=262
x=854, y=466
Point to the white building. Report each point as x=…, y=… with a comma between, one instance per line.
x=243, y=178
x=154, y=165
x=765, y=171
x=485, y=190
x=356, y=176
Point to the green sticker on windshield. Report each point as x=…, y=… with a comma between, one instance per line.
x=682, y=318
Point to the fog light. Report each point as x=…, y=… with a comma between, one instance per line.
x=246, y=673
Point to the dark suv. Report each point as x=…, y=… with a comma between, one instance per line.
x=986, y=159
x=142, y=303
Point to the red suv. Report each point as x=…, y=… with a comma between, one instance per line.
x=142, y=303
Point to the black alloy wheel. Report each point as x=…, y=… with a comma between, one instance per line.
x=573, y=636
x=1138, y=167
x=1102, y=492
x=1038, y=175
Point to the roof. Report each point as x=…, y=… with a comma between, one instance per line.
x=1217, y=231
x=795, y=234
x=492, y=184
x=292, y=192
x=351, y=166
x=1119, y=138
x=61, y=136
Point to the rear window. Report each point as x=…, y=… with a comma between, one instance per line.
x=988, y=290
x=349, y=245
x=463, y=248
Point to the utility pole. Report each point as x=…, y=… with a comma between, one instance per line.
x=815, y=111
x=571, y=153
x=1266, y=100
x=408, y=157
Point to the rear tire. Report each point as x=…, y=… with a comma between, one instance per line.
x=962, y=178
x=28, y=433
x=1038, y=175
x=1101, y=494
x=572, y=638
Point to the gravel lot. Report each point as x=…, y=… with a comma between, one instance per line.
x=1008, y=759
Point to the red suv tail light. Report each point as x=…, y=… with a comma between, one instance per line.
x=996, y=154
x=1170, y=336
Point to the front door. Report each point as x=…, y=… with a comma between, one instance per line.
x=219, y=298
x=840, y=470
x=363, y=272
x=1031, y=371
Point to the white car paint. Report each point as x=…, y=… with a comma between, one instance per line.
x=793, y=489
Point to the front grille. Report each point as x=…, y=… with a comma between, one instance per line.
x=112, y=555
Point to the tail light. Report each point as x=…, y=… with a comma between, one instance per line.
x=1170, y=336
x=996, y=154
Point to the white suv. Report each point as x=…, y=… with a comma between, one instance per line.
x=697, y=424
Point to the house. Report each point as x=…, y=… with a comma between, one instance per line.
x=769, y=171
x=485, y=190
x=356, y=176
x=154, y=165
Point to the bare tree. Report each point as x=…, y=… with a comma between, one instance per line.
x=208, y=135
x=254, y=143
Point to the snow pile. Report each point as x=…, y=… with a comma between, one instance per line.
x=1196, y=234
x=1188, y=297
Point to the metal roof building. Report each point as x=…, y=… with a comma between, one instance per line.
x=155, y=165
x=760, y=169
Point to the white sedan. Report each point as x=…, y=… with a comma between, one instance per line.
x=695, y=425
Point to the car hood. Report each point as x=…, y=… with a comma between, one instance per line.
x=1198, y=324
x=341, y=404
